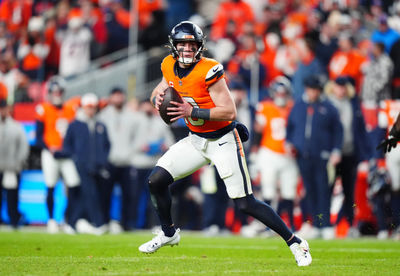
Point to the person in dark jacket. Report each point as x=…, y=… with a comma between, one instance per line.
x=87, y=143
x=355, y=148
x=314, y=136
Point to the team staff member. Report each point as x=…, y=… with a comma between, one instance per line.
x=315, y=136
x=52, y=119
x=14, y=150
x=209, y=110
x=87, y=143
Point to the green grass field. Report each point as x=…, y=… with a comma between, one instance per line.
x=25, y=253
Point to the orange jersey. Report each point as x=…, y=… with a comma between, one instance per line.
x=349, y=63
x=55, y=121
x=274, y=119
x=194, y=89
x=388, y=112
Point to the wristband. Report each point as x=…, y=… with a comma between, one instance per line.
x=201, y=113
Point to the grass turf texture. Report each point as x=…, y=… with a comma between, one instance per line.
x=24, y=253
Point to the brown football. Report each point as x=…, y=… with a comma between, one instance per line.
x=170, y=95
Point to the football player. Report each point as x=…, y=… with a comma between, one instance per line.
x=209, y=112
x=275, y=164
x=387, y=117
x=52, y=119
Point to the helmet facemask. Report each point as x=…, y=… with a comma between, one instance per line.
x=178, y=53
x=186, y=32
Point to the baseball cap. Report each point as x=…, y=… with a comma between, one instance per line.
x=342, y=80
x=117, y=90
x=382, y=19
x=313, y=81
x=89, y=99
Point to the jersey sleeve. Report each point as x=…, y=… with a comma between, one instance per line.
x=164, y=64
x=214, y=74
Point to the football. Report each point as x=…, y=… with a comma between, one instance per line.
x=170, y=95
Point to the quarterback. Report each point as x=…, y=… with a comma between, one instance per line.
x=209, y=112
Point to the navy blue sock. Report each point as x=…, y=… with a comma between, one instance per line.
x=50, y=201
x=264, y=213
x=293, y=240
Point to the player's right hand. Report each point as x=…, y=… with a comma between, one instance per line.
x=387, y=144
x=159, y=98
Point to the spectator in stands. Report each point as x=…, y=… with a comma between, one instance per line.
x=92, y=18
x=314, y=137
x=122, y=127
x=355, y=147
x=75, y=48
x=155, y=33
x=276, y=167
x=117, y=21
x=14, y=81
x=153, y=138
x=86, y=142
x=308, y=65
x=385, y=34
x=52, y=119
x=327, y=44
x=14, y=150
x=33, y=50
x=237, y=11
x=54, y=23
x=16, y=14
x=347, y=60
x=376, y=85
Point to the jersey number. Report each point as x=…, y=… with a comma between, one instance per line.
x=193, y=122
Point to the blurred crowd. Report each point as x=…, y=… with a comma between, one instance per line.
x=317, y=83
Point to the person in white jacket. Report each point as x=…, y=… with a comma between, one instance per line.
x=14, y=150
x=122, y=126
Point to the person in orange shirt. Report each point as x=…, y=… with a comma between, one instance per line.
x=235, y=10
x=52, y=119
x=16, y=13
x=209, y=111
x=347, y=61
x=275, y=166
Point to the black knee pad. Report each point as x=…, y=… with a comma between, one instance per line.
x=159, y=179
x=245, y=204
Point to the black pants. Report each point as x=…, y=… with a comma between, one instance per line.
x=215, y=205
x=90, y=197
x=347, y=170
x=124, y=176
x=12, y=201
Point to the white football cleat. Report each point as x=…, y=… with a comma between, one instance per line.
x=159, y=241
x=52, y=226
x=301, y=253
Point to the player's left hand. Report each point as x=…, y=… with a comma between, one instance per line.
x=387, y=144
x=181, y=110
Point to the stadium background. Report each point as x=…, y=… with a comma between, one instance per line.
x=134, y=63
